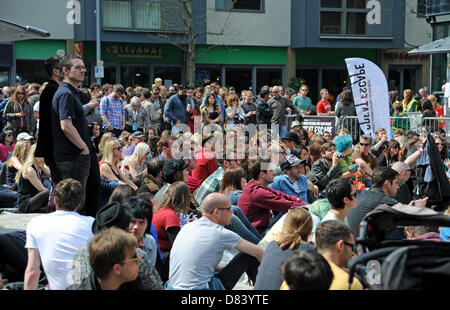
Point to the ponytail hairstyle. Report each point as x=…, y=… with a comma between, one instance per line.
x=296, y=229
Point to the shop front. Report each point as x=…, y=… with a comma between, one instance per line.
x=404, y=71
x=133, y=64
x=325, y=68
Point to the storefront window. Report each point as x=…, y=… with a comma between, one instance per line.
x=169, y=75
x=214, y=74
x=135, y=75
x=4, y=77
x=239, y=78
x=269, y=77
x=109, y=75
x=30, y=71
x=403, y=78
x=334, y=80
x=310, y=77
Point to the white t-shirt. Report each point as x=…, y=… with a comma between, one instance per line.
x=58, y=236
x=196, y=252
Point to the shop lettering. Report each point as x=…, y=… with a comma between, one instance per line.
x=134, y=51
x=406, y=56
x=374, y=15
x=359, y=78
x=74, y=14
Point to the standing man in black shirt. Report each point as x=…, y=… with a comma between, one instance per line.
x=44, y=146
x=69, y=126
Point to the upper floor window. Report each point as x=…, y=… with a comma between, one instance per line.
x=240, y=5
x=132, y=14
x=421, y=8
x=343, y=17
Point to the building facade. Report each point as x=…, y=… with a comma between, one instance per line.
x=247, y=45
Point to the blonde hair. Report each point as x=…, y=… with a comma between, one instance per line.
x=20, y=151
x=107, y=136
x=108, y=154
x=29, y=162
x=140, y=150
x=296, y=229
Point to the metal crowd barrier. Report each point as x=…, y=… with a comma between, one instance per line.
x=432, y=124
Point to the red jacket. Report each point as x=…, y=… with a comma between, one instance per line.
x=205, y=164
x=256, y=201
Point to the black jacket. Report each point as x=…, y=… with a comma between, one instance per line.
x=44, y=147
x=263, y=113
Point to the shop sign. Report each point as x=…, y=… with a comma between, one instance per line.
x=405, y=56
x=134, y=51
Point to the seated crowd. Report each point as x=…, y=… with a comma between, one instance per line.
x=163, y=221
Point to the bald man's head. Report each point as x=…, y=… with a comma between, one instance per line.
x=214, y=201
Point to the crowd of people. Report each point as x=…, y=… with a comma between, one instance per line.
x=120, y=209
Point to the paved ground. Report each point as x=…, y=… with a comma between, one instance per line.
x=14, y=221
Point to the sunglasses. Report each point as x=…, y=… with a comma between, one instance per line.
x=21, y=93
x=135, y=258
x=9, y=135
x=440, y=144
x=364, y=144
x=117, y=148
x=352, y=245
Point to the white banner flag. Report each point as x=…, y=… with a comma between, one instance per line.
x=370, y=94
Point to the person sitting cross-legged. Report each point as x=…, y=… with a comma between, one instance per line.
x=199, y=246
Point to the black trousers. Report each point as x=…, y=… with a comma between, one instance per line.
x=233, y=271
x=13, y=257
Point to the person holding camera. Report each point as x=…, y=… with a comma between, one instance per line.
x=234, y=113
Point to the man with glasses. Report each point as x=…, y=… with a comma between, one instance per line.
x=72, y=145
x=302, y=102
x=114, y=261
x=112, y=110
x=404, y=193
x=342, y=196
x=279, y=104
x=336, y=243
x=199, y=248
x=154, y=104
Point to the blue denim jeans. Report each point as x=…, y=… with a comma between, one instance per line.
x=238, y=212
x=238, y=227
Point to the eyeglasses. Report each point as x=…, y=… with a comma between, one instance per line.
x=352, y=245
x=21, y=93
x=364, y=144
x=117, y=148
x=135, y=258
